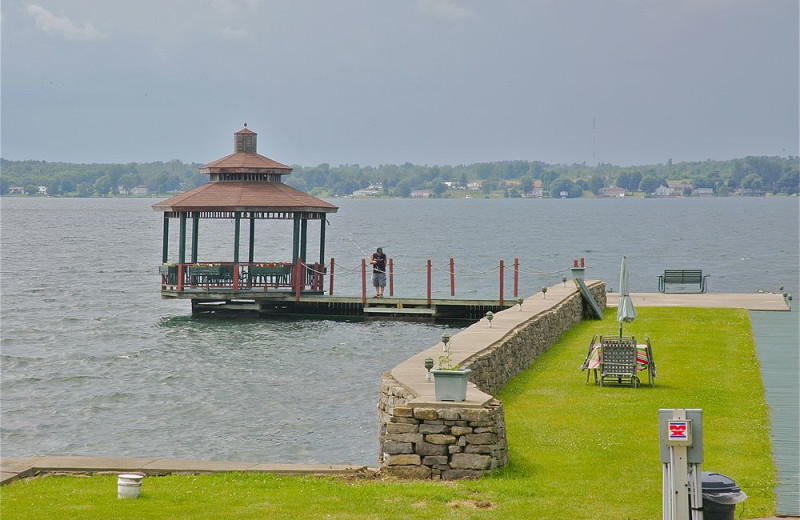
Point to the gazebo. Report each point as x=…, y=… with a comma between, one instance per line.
x=242, y=186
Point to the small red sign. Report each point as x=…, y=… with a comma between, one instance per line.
x=678, y=430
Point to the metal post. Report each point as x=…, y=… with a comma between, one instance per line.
x=680, y=476
x=681, y=453
x=516, y=277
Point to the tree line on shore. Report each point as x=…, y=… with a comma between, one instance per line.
x=754, y=175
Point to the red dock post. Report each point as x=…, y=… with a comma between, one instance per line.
x=501, y=282
x=330, y=291
x=180, y=277
x=429, y=282
x=364, y=280
x=391, y=277
x=516, y=277
x=452, y=277
x=298, y=272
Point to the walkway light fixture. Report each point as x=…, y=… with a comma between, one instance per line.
x=445, y=341
x=428, y=367
x=490, y=317
x=544, y=291
x=564, y=280
x=519, y=302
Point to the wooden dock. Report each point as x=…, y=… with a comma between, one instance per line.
x=276, y=303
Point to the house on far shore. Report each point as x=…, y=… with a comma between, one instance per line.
x=612, y=191
x=16, y=190
x=662, y=191
x=703, y=192
x=537, y=192
x=367, y=192
x=680, y=189
x=420, y=194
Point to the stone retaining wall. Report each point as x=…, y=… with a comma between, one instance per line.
x=440, y=440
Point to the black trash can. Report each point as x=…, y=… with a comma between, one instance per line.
x=720, y=496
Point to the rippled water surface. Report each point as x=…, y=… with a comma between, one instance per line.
x=95, y=363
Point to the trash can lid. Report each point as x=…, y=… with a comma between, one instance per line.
x=718, y=483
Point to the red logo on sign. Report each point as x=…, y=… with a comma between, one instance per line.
x=677, y=430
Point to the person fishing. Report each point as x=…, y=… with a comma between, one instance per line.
x=378, y=262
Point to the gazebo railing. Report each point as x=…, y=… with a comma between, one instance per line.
x=227, y=275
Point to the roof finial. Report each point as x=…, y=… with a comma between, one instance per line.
x=245, y=125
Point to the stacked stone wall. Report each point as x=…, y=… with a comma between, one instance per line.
x=444, y=443
x=453, y=441
x=494, y=367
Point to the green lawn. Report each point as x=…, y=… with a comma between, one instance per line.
x=577, y=450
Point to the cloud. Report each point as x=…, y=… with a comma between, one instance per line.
x=63, y=26
x=449, y=9
x=232, y=7
x=230, y=33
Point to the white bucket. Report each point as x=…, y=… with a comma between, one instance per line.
x=129, y=485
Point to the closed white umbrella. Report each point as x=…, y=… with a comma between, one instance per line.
x=626, y=312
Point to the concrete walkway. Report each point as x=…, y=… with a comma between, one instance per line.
x=750, y=302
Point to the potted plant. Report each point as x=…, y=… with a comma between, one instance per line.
x=450, y=381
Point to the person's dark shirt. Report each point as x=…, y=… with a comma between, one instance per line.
x=379, y=262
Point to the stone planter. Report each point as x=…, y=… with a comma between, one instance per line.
x=451, y=385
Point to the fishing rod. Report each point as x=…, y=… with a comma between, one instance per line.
x=350, y=236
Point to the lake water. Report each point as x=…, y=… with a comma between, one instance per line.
x=94, y=362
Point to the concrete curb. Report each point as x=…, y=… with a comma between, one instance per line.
x=17, y=468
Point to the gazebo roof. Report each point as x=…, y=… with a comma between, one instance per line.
x=246, y=181
x=246, y=196
x=245, y=162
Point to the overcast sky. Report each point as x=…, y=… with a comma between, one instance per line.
x=392, y=81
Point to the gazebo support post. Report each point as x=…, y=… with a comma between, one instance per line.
x=182, y=247
x=303, y=240
x=237, y=228
x=195, y=235
x=296, y=238
x=165, y=241
x=322, y=243
x=251, y=245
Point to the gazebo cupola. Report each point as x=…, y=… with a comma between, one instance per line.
x=245, y=164
x=242, y=185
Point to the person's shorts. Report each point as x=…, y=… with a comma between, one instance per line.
x=379, y=279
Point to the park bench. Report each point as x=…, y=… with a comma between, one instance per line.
x=682, y=281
